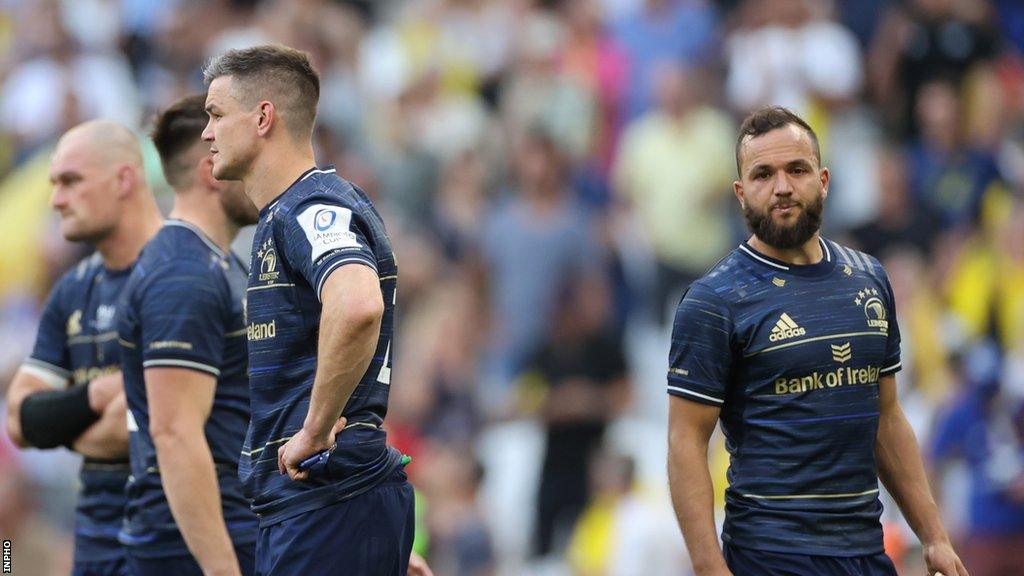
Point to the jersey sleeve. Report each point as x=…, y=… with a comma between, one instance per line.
x=50, y=359
x=892, y=363
x=701, y=352
x=321, y=235
x=181, y=313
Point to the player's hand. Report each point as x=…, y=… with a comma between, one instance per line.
x=103, y=390
x=418, y=566
x=941, y=559
x=303, y=445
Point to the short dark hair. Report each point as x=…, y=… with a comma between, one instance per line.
x=175, y=131
x=272, y=72
x=765, y=120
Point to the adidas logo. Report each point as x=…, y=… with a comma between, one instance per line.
x=785, y=328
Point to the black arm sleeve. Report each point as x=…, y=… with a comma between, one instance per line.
x=55, y=418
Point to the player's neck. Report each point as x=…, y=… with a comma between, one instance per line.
x=205, y=213
x=269, y=179
x=807, y=253
x=121, y=248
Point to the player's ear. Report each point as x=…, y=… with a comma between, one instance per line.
x=126, y=178
x=266, y=117
x=825, y=178
x=737, y=188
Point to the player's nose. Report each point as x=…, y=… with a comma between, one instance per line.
x=58, y=199
x=208, y=132
x=782, y=187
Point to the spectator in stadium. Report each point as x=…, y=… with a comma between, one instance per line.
x=582, y=368
x=321, y=319
x=919, y=42
x=532, y=243
x=58, y=86
x=38, y=541
x=596, y=61
x=181, y=327
x=672, y=167
x=69, y=391
x=680, y=31
x=460, y=543
x=983, y=426
x=948, y=176
x=901, y=222
x=792, y=53
x=623, y=531
x=537, y=94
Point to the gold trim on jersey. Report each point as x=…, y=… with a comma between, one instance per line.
x=815, y=339
x=91, y=339
x=265, y=286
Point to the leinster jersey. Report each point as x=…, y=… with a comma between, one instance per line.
x=77, y=341
x=792, y=356
x=184, y=307
x=319, y=224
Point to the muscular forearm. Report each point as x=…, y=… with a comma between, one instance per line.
x=348, y=340
x=902, y=472
x=190, y=482
x=107, y=438
x=693, y=500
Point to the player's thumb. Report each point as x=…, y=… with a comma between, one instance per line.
x=338, y=427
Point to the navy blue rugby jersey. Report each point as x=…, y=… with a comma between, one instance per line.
x=76, y=342
x=792, y=355
x=184, y=307
x=320, y=223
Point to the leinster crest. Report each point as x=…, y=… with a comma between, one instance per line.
x=874, y=309
x=267, y=256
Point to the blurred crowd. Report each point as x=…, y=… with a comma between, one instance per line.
x=554, y=173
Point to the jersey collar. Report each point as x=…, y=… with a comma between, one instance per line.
x=821, y=268
x=195, y=230
x=328, y=169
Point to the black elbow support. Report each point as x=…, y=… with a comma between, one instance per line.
x=55, y=418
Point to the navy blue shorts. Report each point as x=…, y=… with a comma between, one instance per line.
x=118, y=567
x=368, y=535
x=186, y=565
x=744, y=561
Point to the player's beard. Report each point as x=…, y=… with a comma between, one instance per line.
x=781, y=237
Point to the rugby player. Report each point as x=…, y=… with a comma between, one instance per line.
x=182, y=331
x=791, y=342
x=328, y=490
x=69, y=391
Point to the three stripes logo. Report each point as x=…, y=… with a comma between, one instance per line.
x=842, y=353
x=785, y=328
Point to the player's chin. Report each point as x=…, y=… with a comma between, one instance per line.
x=221, y=170
x=72, y=232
